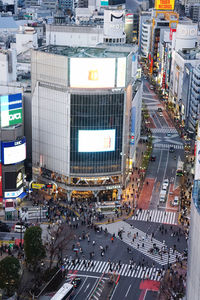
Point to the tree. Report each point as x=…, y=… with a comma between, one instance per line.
x=33, y=247
x=9, y=274
x=58, y=239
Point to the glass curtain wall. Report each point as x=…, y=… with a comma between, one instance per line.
x=96, y=112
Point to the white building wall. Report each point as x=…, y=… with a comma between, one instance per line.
x=177, y=71
x=26, y=41
x=7, y=66
x=74, y=39
x=51, y=129
x=185, y=37
x=145, y=38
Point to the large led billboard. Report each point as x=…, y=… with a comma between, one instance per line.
x=96, y=140
x=11, y=109
x=92, y=72
x=13, y=152
x=164, y=4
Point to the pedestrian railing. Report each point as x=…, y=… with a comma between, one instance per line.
x=97, y=287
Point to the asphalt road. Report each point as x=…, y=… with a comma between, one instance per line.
x=164, y=136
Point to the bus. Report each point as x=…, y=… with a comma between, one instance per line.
x=64, y=293
x=180, y=170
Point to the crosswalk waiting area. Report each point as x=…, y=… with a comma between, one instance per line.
x=167, y=146
x=156, y=216
x=143, y=243
x=128, y=270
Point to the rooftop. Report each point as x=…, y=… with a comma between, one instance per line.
x=83, y=51
x=7, y=22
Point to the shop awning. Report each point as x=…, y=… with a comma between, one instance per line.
x=22, y=195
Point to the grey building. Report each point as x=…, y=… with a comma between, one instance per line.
x=81, y=116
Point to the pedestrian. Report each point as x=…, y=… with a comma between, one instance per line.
x=138, y=246
x=93, y=243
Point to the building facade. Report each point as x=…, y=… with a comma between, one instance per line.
x=193, y=271
x=81, y=107
x=13, y=148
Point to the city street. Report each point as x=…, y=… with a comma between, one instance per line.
x=139, y=249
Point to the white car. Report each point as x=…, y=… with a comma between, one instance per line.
x=175, y=202
x=164, y=186
x=166, y=181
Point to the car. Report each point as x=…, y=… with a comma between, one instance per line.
x=164, y=187
x=76, y=282
x=168, y=134
x=19, y=228
x=151, y=87
x=159, y=109
x=160, y=114
x=145, y=77
x=166, y=181
x=171, y=149
x=175, y=202
x=152, y=158
x=4, y=227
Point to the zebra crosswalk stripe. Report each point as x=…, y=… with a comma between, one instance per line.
x=164, y=130
x=157, y=216
x=167, y=146
x=125, y=270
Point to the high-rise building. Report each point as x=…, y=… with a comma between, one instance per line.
x=82, y=124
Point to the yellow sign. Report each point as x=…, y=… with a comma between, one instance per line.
x=164, y=4
x=37, y=186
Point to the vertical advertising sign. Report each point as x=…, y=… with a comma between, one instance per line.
x=11, y=109
x=133, y=114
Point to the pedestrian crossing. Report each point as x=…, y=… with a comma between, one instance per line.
x=143, y=242
x=126, y=270
x=156, y=216
x=167, y=146
x=164, y=130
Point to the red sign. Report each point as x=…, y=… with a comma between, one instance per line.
x=172, y=30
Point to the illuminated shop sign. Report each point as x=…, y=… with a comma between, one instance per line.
x=13, y=152
x=11, y=109
x=14, y=194
x=96, y=140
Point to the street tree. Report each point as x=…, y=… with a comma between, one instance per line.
x=57, y=241
x=33, y=247
x=9, y=274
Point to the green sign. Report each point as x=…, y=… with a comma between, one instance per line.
x=15, y=116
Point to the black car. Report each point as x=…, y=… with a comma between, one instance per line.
x=152, y=158
x=4, y=227
x=76, y=282
x=171, y=149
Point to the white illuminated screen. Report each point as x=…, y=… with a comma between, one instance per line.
x=92, y=72
x=96, y=140
x=15, y=154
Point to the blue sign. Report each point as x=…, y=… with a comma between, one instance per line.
x=133, y=114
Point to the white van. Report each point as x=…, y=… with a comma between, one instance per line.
x=19, y=228
x=163, y=195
